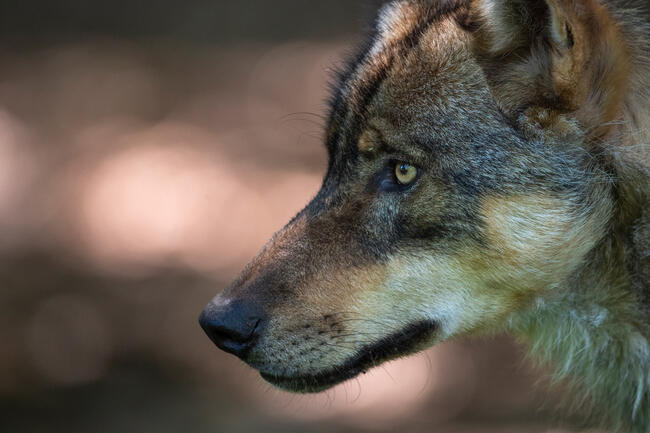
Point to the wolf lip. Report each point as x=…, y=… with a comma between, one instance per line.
x=403, y=342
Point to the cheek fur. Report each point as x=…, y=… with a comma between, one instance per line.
x=437, y=288
x=533, y=242
x=539, y=239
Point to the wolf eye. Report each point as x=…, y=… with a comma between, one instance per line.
x=396, y=176
x=405, y=173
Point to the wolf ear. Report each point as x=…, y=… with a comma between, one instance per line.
x=564, y=56
x=510, y=25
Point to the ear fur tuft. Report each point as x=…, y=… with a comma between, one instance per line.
x=565, y=55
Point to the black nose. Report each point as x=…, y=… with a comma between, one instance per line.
x=232, y=325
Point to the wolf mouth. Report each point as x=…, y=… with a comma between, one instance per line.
x=403, y=342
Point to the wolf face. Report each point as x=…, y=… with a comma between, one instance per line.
x=461, y=188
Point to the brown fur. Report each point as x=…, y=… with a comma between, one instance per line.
x=528, y=121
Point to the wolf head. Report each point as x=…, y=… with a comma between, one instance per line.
x=463, y=184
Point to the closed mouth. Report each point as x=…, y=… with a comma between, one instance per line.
x=404, y=342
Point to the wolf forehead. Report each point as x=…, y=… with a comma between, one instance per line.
x=415, y=90
x=391, y=54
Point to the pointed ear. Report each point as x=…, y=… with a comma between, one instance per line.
x=509, y=25
x=567, y=56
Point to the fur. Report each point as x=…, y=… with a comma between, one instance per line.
x=528, y=122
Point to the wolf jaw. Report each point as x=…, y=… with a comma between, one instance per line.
x=408, y=340
x=529, y=121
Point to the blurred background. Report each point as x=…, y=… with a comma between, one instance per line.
x=147, y=150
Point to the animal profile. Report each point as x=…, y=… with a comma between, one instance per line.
x=488, y=172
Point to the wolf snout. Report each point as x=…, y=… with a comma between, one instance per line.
x=234, y=326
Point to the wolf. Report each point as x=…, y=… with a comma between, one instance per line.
x=488, y=172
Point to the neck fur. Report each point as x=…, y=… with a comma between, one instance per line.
x=595, y=329
x=595, y=337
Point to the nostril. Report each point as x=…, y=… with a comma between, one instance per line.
x=232, y=327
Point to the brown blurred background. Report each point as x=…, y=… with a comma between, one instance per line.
x=147, y=150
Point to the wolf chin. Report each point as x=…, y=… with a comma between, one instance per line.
x=488, y=172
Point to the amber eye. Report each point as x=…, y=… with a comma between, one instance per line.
x=405, y=173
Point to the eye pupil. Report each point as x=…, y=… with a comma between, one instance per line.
x=404, y=169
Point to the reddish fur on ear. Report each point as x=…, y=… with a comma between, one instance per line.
x=564, y=55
